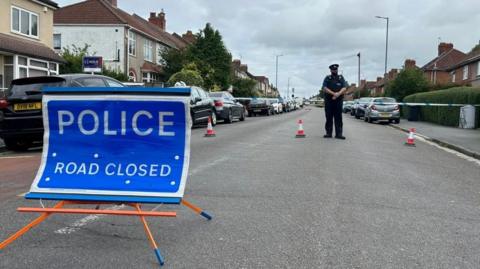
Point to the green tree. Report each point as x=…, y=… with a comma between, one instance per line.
x=74, y=57
x=244, y=87
x=212, y=58
x=408, y=81
x=175, y=60
x=120, y=76
x=189, y=74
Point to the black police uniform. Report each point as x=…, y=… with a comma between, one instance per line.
x=333, y=108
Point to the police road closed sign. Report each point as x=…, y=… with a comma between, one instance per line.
x=114, y=145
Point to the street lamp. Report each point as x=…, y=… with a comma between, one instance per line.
x=276, y=70
x=386, y=43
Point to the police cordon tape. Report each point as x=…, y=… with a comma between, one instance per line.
x=425, y=104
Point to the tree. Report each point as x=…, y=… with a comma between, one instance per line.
x=189, y=74
x=408, y=81
x=74, y=57
x=175, y=60
x=244, y=87
x=212, y=58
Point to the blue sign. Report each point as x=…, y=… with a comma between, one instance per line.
x=92, y=64
x=125, y=145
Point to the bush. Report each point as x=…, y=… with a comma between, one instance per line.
x=189, y=74
x=448, y=116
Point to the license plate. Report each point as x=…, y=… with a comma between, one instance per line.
x=385, y=115
x=27, y=106
x=257, y=110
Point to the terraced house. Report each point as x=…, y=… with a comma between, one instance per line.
x=26, y=28
x=128, y=43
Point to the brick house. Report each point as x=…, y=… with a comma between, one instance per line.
x=380, y=84
x=436, y=71
x=128, y=43
x=467, y=72
x=26, y=45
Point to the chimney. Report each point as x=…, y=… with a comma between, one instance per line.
x=379, y=78
x=244, y=68
x=409, y=63
x=158, y=20
x=362, y=83
x=189, y=37
x=236, y=63
x=444, y=47
x=112, y=2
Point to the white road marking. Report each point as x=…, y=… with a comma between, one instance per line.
x=17, y=157
x=454, y=152
x=208, y=165
x=22, y=194
x=84, y=221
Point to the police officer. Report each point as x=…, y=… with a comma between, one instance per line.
x=334, y=87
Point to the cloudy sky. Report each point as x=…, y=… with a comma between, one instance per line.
x=311, y=34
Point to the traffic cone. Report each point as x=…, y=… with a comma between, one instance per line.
x=300, y=131
x=411, y=138
x=210, y=131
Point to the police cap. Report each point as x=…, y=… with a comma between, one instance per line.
x=333, y=67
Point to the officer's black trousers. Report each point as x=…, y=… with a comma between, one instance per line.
x=333, y=111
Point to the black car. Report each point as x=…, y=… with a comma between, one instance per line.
x=261, y=106
x=227, y=107
x=201, y=107
x=21, y=122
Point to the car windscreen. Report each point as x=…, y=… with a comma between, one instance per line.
x=384, y=100
x=26, y=89
x=216, y=94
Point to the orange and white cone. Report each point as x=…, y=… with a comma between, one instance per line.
x=210, y=132
x=411, y=138
x=300, y=131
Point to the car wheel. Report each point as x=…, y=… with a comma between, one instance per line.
x=397, y=121
x=365, y=119
x=242, y=116
x=229, y=118
x=357, y=116
x=370, y=120
x=268, y=112
x=214, y=118
x=17, y=144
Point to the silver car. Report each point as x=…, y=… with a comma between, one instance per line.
x=382, y=109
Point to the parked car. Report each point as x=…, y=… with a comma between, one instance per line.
x=21, y=121
x=362, y=105
x=285, y=104
x=299, y=102
x=245, y=101
x=354, y=107
x=382, y=109
x=227, y=107
x=260, y=106
x=277, y=106
x=201, y=106
x=347, y=106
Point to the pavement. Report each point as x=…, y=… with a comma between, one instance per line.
x=466, y=141
x=277, y=202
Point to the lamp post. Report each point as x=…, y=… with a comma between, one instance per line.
x=386, y=42
x=358, y=87
x=288, y=87
x=276, y=70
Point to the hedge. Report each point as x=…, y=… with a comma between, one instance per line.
x=448, y=116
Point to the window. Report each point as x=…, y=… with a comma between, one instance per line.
x=28, y=67
x=453, y=76
x=147, y=51
x=465, y=72
x=92, y=82
x=478, y=68
x=57, y=41
x=160, y=50
x=132, y=43
x=113, y=83
x=24, y=22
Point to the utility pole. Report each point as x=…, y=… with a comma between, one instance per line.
x=288, y=87
x=386, y=42
x=358, y=87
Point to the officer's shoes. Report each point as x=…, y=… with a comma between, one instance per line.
x=340, y=137
x=327, y=136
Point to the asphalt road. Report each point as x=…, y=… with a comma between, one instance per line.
x=278, y=202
